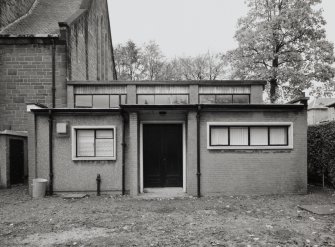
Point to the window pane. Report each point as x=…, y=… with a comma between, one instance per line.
x=85, y=143
x=241, y=99
x=179, y=99
x=83, y=100
x=219, y=136
x=104, y=147
x=207, y=99
x=104, y=134
x=278, y=136
x=223, y=99
x=100, y=101
x=258, y=136
x=123, y=99
x=145, y=99
x=114, y=101
x=239, y=136
x=162, y=99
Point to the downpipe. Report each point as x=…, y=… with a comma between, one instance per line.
x=198, y=153
x=51, y=175
x=53, y=87
x=123, y=153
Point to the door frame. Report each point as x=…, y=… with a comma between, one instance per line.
x=25, y=158
x=141, y=149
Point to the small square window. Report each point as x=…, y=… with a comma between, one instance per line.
x=100, y=101
x=179, y=99
x=258, y=136
x=223, y=99
x=239, y=136
x=278, y=136
x=162, y=99
x=123, y=99
x=145, y=99
x=114, y=101
x=83, y=101
x=207, y=99
x=241, y=99
x=219, y=136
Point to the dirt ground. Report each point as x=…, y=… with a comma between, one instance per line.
x=125, y=221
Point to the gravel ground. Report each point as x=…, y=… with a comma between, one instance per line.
x=125, y=221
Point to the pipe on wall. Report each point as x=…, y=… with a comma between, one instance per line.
x=51, y=175
x=53, y=88
x=198, y=153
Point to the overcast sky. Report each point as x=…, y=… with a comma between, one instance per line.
x=186, y=27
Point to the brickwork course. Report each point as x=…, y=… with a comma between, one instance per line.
x=28, y=29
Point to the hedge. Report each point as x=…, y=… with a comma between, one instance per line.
x=321, y=152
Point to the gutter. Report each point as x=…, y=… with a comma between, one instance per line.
x=75, y=110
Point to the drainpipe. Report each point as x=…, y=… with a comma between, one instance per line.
x=123, y=153
x=51, y=175
x=53, y=74
x=198, y=152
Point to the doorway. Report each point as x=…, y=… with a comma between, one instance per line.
x=16, y=161
x=162, y=155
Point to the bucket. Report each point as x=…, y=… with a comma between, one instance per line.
x=39, y=187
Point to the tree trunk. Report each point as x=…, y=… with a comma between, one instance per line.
x=273, y=90
x=274, y=80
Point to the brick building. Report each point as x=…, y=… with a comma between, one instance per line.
x=200, y=137
x=43, y=45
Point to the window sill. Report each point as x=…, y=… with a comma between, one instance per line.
x=250, y=147
x=94, y=158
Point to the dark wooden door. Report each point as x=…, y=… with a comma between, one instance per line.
x=16, y=156
x=163, y=155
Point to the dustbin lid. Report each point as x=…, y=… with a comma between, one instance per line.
x=40, y=180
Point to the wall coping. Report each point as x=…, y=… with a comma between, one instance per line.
x=189, y=82
x=14, y=133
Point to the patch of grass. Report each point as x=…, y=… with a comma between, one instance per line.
x=126, y=221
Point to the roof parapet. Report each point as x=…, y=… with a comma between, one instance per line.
x=188, y=82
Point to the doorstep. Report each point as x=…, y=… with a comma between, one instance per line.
x=167, y=192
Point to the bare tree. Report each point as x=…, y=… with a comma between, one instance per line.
x=152, y=61
x=127, y=60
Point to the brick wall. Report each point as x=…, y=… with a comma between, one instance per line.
x=191, y=155
x=26, y=77
x=132, y=165
x=10, y=10
x=79, y=175
x=4, y=152
x=255, y=171
x=90, y=45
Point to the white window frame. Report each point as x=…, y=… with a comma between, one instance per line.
x=251, y=124
x=74, y=142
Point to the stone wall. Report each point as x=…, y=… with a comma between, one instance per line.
x=26, y=77
x=90, y=45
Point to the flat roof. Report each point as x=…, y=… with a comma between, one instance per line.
x=194, y=107
x=188, y=82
